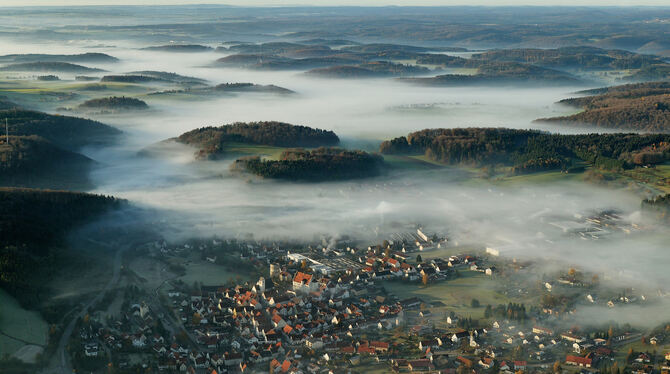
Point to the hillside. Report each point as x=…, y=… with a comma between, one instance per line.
x=251, y=87
x=211, y=141
x=179, y=48
x=371, y=69
x=658, y=206
x=65, y=131
x=89, y=57
x=32, y=238
x=500, y=73
x=62, y=67
x=31, y=161
x=114, y=103
x=322, y=164
x=637, y=107
x=529, y=151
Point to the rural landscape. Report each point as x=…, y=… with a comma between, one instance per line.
x=334, y=189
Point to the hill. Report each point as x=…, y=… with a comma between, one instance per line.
x=251, y=87
x=169, y=77
x=179, y=48
x=31, y=161
x=32, y=238
x=211, y=141
x=322, y=164
x=63, y=67
x=500, y=73
x=89, y=57
x=115, y=103
x=67, y=132
x=529, y=151
x=637, y=107
x=370, y=69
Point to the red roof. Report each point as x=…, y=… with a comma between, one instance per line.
x=301, y=277
x=578, y=360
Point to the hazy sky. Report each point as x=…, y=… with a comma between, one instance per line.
x=336, y=2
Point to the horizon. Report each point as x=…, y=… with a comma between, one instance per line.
x=339, y=3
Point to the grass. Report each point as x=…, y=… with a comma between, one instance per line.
x=456, y=294
x=253, y=149
x=410, y=162
x=210, y=274
x=20, y=323
x=540, y=177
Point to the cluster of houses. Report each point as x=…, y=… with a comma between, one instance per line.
x=322, y=309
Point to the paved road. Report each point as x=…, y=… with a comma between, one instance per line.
x=60, y=362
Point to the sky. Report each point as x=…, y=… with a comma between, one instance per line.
x=340, y=2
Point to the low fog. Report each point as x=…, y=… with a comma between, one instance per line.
x=204, y=199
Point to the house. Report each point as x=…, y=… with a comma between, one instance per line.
x=423, y=364
x=542, y=331
x=302, y=282
x=520, y=365
x=380, y=347
x=578, y=361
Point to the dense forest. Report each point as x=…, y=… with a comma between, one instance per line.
x=370, y=69
x=639, y=107
x=114, y=102
x=211, y=141
x=64, y=67
x=33, y=225
x=658, y=206
x=67, y=132
x=169, y=77
x=321, y=164
x=529, y=151
x=31, y=161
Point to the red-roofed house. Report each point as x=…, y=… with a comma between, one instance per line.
x=578, y=361
x=302, y=282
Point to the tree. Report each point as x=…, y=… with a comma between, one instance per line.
x=424, y=279
x=488, y=312
x=572, y=272
x=419, y=259
x=557, y=367
x=474, y=303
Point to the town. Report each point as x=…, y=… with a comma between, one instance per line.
x=413, y=303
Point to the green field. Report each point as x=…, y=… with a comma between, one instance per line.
x=19, y=323
x=456, y=294
x=253, y=149
x=211, y=274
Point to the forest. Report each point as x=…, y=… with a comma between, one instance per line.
x=638, y=107
x=529, y=150
x=65, y=131
x=41, y=57
x=114, y=102
x=321, y=164
x=34, y=224
x=211, y=141
x=369, y=69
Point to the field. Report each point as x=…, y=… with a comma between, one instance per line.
x=21, y=324
x=245, y=149
x=456, y=294
x=211, y=274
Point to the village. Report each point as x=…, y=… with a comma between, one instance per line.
x=332, y=309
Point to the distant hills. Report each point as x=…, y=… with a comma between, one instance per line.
x=41, y=57
x=64, y=67
x=500, y=73
x=179, y=48
x=634, y=107
x=370, y=69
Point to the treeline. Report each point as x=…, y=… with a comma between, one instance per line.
x=65, y=67
x=212, y=140
x=321, y=164
x=114, y=102
x=33, y=225
x=639, y=107
x=370, y=69
x=659, y=206
x=529, y=151
x=511, y=311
